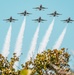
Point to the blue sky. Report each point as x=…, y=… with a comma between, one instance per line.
x=12, y=7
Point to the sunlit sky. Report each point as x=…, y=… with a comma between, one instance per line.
x=12, y=7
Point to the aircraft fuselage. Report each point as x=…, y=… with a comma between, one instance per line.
x=39, y=19
x=10, y=19
x=68, y=20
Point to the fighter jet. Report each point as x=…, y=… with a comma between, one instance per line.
x=39, y=20
x=54, y=14
x=40, y=8
x=69, y=20
x=10, y=19
x=25, y=13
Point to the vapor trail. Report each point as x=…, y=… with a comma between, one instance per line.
x=45, y=40
x=6, y=47
x=18, y=46
x=60, y=40
x=33, y=43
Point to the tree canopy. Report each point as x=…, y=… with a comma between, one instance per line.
x=6, y=67
x=50, y=62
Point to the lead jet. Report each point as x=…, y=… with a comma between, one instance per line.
x=54, y=14
x=25, y=13
x=10, y=19
x=69, y=20
x=39, y=20
x=40, y=8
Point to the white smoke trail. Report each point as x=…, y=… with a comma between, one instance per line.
x=60, y=40
x=6, y=47
x=45, y=40
x=18, y=46
x=33, y=43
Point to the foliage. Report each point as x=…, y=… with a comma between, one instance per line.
x=50, y=62
x=6, y=67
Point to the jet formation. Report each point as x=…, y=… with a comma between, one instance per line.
x=40, y=8
x=69, y=20
x=10, y=19
x=39, y=20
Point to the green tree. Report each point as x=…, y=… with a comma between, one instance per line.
x=50, y=62
x=6, y=67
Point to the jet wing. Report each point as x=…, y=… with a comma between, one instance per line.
x=43, y=20
x=35, y=20
x=51, y=14
x=6, y=19
x=71, y=20
x=29, y=13
x=36, y=8
x=14, y=19
x=66, y=21
x=58, y=14
x=44, y=8
x=63, y=20
x=20, y=13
